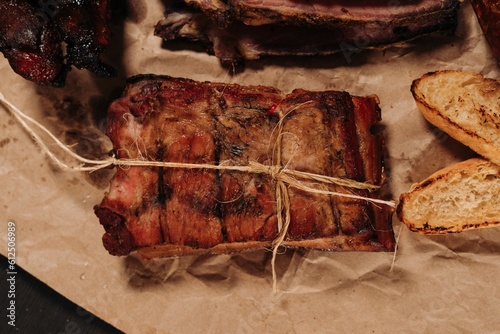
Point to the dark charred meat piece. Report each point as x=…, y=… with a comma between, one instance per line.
x=32, y=34
x=172, y=211
x=488, y=14
x=251, y=29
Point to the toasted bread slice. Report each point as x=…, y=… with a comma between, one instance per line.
x=462, y=196
x=465, y=105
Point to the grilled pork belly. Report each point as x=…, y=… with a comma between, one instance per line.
x=171, y=211
x=245, y=30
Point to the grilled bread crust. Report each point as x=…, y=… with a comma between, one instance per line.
x=464, y=105
x=456, y=198
x=464, y=195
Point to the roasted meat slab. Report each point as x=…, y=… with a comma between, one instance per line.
x=43, y=39
x=171, y=211
x=243, y=30
x=323, y=13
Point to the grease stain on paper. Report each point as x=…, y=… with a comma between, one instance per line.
x=4, y=142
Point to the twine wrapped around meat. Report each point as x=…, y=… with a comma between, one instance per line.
x=283, y=177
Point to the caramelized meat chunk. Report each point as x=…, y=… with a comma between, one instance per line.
x=184, y=209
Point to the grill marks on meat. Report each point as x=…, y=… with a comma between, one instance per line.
x=244, y=134
x=306, y=147
x=191, y=209
x=246, y=30
x=175, y=211
x=32, y=34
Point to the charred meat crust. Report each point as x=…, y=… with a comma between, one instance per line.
x=42, y=40
x=117, y=240
x=193, y=211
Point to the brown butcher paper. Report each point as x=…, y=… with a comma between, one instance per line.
x=430, y=284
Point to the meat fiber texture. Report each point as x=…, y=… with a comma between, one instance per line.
x=236, y=31
x=170, y=211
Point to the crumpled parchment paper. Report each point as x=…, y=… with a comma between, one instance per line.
x=431, y=284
